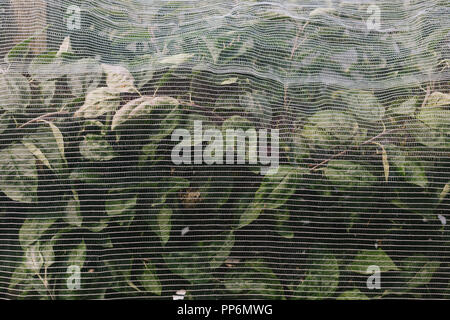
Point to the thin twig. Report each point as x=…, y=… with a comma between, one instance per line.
x=203, y=109
x=285, y=95
x=152, y=38
x=347, y=150
x=427, y=95
x=51, y=114
x=296, y=44
x=45, y=283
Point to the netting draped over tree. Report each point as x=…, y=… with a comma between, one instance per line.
x=246, y=149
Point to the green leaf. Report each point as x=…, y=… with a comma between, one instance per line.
x=346, y=59
x=131, y=36
x=97, y=224
x=37, y=153
x=143, y=106
x=21, y=276
x=274, y=191
x=87, y=176
x=19, y=53
x=190, y=265
x=72, y=213
x=435, y=116
x=166, y=118
x=58, y=137
x=406, y=108
x=255, y=105
x=426, y=60
x=85, y=76
x=235, y=123
x=94, y=127
x=163, y=218
x=364, y=105
x=6, y=120
x=432, y=138
x=120, y=266
x=47, y=251
x=118, y=79
x=33, y=258
x=120, y=201
x=282, y=224
x=48, y=90
x=347, y=175
x=235, y=49
x=98, y=102
x=149, y=153
x=65, y=47
x=434, y=124
x=32, y=229
x=166, y=125
x=325, y=11
x=47, y=145
x=162, y=223
x=221, y=249
x=253, y=280
x=229, y=81
x=15, y=93
x=149, y=280
x=366, y=258
x=330, y=129
x=444, y=192
x=168, y=188
x=96, y=148
x=196, y=262
x=46, y=66
x=228, y=105
x=384, y=158
x=418, y=271
x=438, y=99
x=409, y=168
x=212, y=50
x=18, y=174
x=322, y=279
x=77, y=255
x=176, y=59
x=354, y=294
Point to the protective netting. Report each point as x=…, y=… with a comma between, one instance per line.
x=224, y=149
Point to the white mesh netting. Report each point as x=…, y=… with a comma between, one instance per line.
x=238, y=149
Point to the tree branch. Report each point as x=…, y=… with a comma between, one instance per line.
x=347, y=150
x=51, y=114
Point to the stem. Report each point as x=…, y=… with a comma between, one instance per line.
x=427, y=95
x=203, y=109
x=152, y=38
x=296, y=44
x=44, y=282
x=347, y=150
x=51, y=114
